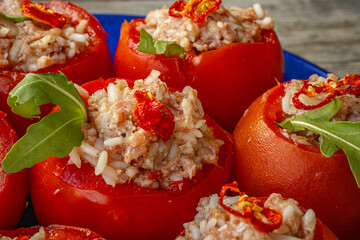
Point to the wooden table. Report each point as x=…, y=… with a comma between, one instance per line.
x=325, y=32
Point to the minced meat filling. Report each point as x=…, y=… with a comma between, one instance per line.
x=30, y=45
x=213, y=222
x=123, y=152
x=349, y=107
x=224, y=26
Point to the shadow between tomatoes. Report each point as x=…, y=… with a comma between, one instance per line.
x=14, y=187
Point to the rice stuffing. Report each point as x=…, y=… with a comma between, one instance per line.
x=30, y=46
x=122, y=152
x=213, y=222
x=224, y=26
x=349, y=108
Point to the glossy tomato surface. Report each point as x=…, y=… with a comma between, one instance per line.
x=53, y=232
x=266, y=161
x=89, y=65
x=227, y=79
x=14, y=187
x=62, y=193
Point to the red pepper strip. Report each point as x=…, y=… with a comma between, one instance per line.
x=178, y=9
x=43, y=14
x=151, y=115
x=22, y=238
x=249, y=212
x=197, y=10
x=334, y=89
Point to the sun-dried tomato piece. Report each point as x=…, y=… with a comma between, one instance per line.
x=43, y=14
x=153, y=116
x=178, y=9
x=252, y=210
x=24, y=237
x=197, y=10
x=334, y=88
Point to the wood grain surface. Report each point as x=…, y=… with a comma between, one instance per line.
x=325, y=32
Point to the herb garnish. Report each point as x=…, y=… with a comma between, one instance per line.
x=15, y=17
x=54, y=135
x=334, y=135
x=149, y=45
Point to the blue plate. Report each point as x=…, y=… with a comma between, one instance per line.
x=295, y=67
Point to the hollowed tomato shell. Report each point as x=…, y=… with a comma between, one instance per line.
x=53, y=232
x=227, y=79
x=322, y=232
x=62, y=193
x=266, y=161
x=14, y=187
x=89, y=65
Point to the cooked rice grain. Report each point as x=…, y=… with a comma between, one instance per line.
x=139, y=156
x=224, y=26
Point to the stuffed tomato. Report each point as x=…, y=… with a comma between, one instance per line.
x=50, y=232
x=57, y=36
x=243, y=217
x=14, y=187
x=230, y=58
x=301, y=159
x=147, y=156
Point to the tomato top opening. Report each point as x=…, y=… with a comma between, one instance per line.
x=52, y=232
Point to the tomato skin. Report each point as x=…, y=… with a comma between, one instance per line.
x=81, y=68
x=14, y=187
x=64, y=194
x=54, y=232
x=227, y=79
x=265, y=161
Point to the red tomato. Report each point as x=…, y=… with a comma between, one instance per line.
x=91, y=64
x=227, y=79
x=14, y=187
x=65, y=194
x=322, y=232
x=53, y=232
x=266, y=161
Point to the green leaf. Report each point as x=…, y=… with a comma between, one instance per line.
x=14, y=17
x=334, y=135
x=327, y=147
x=54, y=135
x=149, y=45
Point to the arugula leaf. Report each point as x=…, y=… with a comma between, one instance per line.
x=54, y=135
x=149, y=45
x=15, y=17
x=334, y=135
